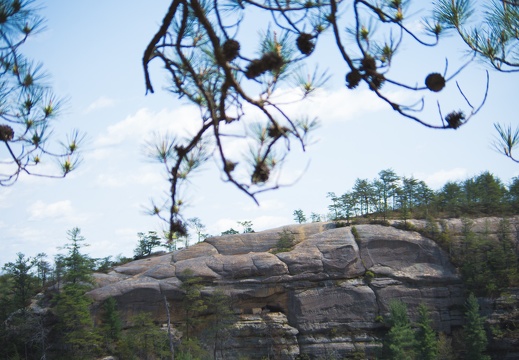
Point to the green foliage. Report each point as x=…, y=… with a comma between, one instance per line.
x=246, y=226
x=445, y=349
x=427, y=345
x=144, y=340
x=192, y=302
x=231, y=231
x=146, y=244
x=355, y=233
x=72, y=306
x=315, y=217
x=369, y=276
x=218, y=324
x=285, y=242
x=77, y=267
x=75, y=326
x=191, y=349
x=111, y=323
x=299, y=216
x=390, y=195
x=489, y=266
x=399, y=343
x=23, y=284
x=475, y=336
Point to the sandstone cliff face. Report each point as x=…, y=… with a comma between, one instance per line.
x=315, y=299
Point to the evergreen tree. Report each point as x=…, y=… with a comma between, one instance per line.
x=363, y=191
x=43, y=268
x=299, y=216
x=111, y=325
x=450, y=199
x=388, y=179
x=427, y=345
x=246, y=226
x=335, y=206
x=490, y=194
x=75, y=325
x=147, y=242
x=144, y=340
x=513, y=195
x=220, y=321
x=475, y=336
x=77, y=267
x=231, y=231
x=192, y=302
x=23, y=282
x=348, y=205
x=445, y=350
x=315, y=217
x=399, y=343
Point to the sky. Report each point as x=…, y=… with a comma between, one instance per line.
x=93, y=50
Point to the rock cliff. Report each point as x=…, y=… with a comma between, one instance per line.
x=325, y=296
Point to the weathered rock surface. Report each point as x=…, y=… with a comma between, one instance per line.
x=315, y=299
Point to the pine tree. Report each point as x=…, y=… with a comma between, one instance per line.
x=23, y=282
x=193, y=302
x=400, y=342
x=427, y=346
x=445, y=350
x=220, y=321
x=299, y=216
x=144, y=340
x=75, y=325
x=111, y=326
x=475, y=336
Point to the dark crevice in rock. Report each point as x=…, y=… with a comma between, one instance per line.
x=377, y=299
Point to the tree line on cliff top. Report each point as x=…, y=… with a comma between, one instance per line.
x=400, y=197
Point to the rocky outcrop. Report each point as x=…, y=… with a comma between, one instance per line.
x=325, y=296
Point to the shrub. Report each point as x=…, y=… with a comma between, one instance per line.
x=355, y=233
x=369, y=276
x=285, y=242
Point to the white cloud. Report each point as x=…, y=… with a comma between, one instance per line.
x=270, y=222
x=337, y=105
x=39, y=210
x=101, y=103
x=144, y=175
x=59, y=210
x=141, y=125
x=439, y=178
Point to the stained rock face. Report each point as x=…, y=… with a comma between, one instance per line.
x=316, y=299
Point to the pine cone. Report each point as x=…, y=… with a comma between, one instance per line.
x=6, y=133
x=231, y=49
x=455, y=119
x=435, y=82
x=304, y=43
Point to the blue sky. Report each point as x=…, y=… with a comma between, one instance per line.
x=93, y=52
